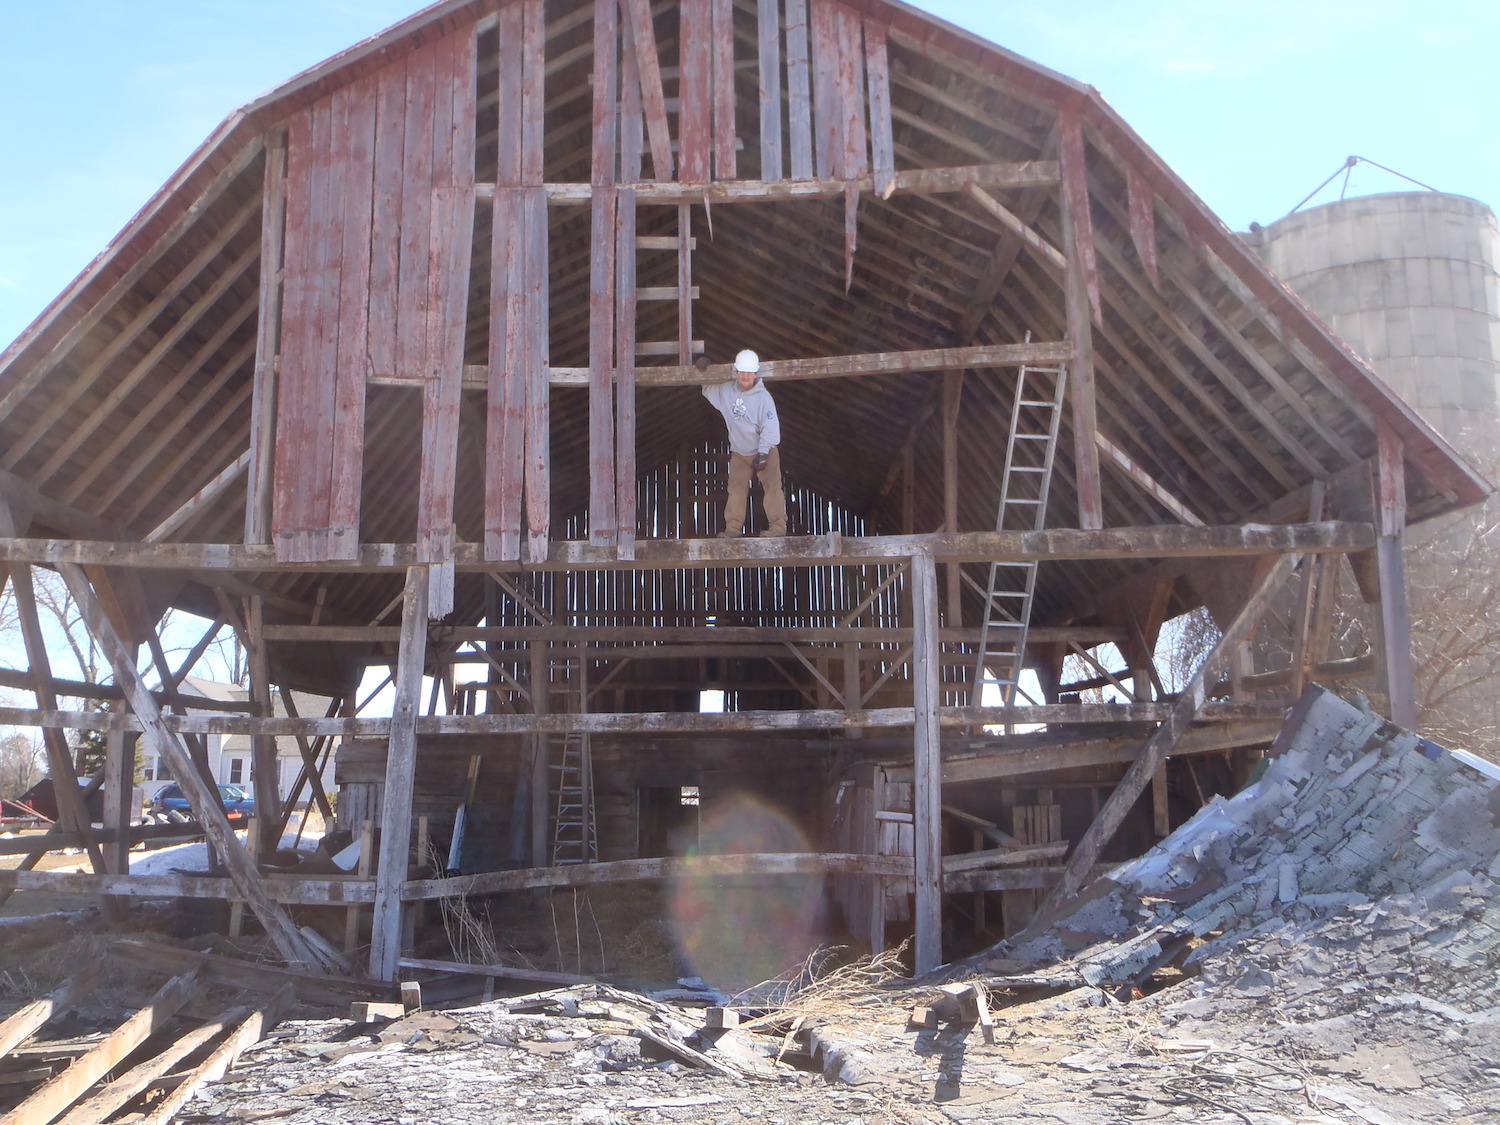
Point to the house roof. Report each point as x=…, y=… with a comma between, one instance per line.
x=132, y=391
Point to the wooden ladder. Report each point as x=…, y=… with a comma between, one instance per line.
x=1030, y=452
x=575, y=838
x=684, y=348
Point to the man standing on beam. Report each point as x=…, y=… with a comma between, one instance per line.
x=754, y=434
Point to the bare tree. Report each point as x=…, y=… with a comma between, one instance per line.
x=20, y=765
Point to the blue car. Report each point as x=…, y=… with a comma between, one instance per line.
x=237, y=803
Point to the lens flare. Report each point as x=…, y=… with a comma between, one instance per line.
x=740, y=930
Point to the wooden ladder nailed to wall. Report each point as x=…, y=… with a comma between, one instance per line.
x=575, y=838
x=1029, y=455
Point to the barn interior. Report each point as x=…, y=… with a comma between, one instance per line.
x=402, y=371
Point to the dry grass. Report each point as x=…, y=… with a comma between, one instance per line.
x=824, y=987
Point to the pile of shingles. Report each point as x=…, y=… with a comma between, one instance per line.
x=1357, y=828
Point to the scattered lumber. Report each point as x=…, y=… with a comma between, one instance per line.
x=56, y=1095
x=214, y=1067
x=311, y=988
x=505, y=972
x=368, y=1011
x=21, y=1026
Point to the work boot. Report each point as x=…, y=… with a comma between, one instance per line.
x=730, y=533
x=776, y=531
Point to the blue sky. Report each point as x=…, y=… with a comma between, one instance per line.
x=1254, y=102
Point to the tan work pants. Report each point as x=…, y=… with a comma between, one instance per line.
x=739, y=494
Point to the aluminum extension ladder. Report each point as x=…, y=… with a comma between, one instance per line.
x=1029, y=455
x=575, y=838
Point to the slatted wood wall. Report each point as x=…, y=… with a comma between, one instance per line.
x=379, y=223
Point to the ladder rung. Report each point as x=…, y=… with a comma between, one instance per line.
x=662, y=242
x=1047, y=402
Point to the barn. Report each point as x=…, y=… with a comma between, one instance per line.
x=402, y=370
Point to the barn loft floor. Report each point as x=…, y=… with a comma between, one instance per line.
x=1319, y=948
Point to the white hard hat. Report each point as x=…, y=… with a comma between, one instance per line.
x=747, y=361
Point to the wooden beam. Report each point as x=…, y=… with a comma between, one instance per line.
x=1161, y=744
x=396, y=815
x=828, y=367
x=112, y=1097
x=768, y=37
x=927, y=766
x=1148, y=483
x=1157, y=541
x=200, y=500
x=64, y=1089
x=1045, y=252
x=20, y=1026
x=920, y=181
x=283, y=932
x=643, y=37
x=1080, y=297
x=670, y=867
x=1394, y=614
x=218, y=1064
x=643, y=722
x=72, y=811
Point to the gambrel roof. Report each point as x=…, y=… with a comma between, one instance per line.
x=134, y=390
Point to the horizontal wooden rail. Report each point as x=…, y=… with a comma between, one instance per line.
x=648, y=722
x=1026, y=174
x=1134, y=543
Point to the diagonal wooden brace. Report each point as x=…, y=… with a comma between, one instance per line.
x=283, y=932
x=1161, y=744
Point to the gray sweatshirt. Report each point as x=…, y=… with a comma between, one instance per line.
x=750, y=416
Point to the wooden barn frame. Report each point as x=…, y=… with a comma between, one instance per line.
x=402, y=368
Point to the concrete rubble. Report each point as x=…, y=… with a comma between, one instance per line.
x=1320, y=948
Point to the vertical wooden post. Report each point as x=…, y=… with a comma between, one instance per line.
x=602, y=277
x=400, y=763
x=953, y=385
x=625, y=312
x=799, y=90
x=267, y=337
x=1080, y=292
x=263, y=756
x=541, y=704
x=927, y=801
x=70, y=805
x=119, y=806
x=1394, y=613
x=877, y=883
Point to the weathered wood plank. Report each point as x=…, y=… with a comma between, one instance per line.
x=882, y=136
x=636, y=722
x=603, y=523
x=20, y=1026
x=929, y=181
x=625, y=373
x=851, y=92
x=1080, y=293
x=1142, y=203
x=828, y=120
x=218, y=1064
x=602, y=276
x=385, y=227
x=203, y=801
x=1393, y=611
x=799, y=89
x=507, y=382
x=134, y=1081
x=267, y=339
x=357, y=199
x=927, y=801
x=396, y=815
x=768, y=31
x=695, y=92
x=726, y=163
x=538, y=405
x=64, y=1089
x=648, y=67
x=450, y=241
x=1156, y=541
